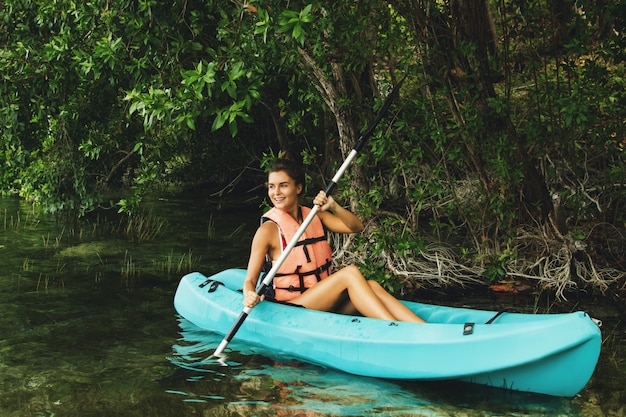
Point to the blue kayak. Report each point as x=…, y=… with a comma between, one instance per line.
x=553, y=354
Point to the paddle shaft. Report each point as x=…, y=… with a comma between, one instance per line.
x=267, y=281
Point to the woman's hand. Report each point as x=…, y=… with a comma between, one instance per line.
x=325, y=202
x=251, y=298
x=336, y=218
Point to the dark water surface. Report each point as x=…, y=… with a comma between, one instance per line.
x=87, y=328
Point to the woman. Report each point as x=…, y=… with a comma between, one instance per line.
x=304, y=278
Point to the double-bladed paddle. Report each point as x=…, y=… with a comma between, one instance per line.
x=267, y=281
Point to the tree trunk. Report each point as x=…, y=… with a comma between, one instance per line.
x=332, y=91
x=440, y=36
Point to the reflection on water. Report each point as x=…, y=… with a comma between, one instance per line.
x=80, y=336
x=257, y=382
x=279, y=385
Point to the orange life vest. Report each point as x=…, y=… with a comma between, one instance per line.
x=309, y=261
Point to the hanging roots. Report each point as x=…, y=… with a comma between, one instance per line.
x=436, y=266
x=553, y=263
x=560, y=263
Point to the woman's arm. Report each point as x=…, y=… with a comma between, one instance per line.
x=261, y=245
x=335, y=217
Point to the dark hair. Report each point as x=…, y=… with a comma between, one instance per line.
x=287, y=161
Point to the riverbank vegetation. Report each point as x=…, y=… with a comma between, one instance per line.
x=503, y=160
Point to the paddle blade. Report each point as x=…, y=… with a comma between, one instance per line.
x=221, y=359
x=233, y=330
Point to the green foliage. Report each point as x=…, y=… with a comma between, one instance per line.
x=76, y=74
x=109, y=100
x=381, y=245
x=293, y=23
x=495, y=264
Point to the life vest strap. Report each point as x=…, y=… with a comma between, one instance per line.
x=310, y=240
x=317, y=272
x=307, y=241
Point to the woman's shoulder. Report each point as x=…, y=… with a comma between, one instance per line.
x=267, y=229
x=266, y=235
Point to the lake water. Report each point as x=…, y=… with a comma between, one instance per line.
x=88, y=328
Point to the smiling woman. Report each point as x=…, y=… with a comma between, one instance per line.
x=305, y=278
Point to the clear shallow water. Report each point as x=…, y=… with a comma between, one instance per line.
x=88, y=328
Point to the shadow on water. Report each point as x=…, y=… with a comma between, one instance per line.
x=80, y=336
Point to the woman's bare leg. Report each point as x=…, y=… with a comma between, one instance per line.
x=399, y=310
x=371, y=300
x=327, y=293
x=395, y=307
x=344, y=306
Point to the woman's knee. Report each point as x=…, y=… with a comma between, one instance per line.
x=349, y=270
x=353, y=270
x=351, y=273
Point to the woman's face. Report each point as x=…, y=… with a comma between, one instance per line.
x=282, y=190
